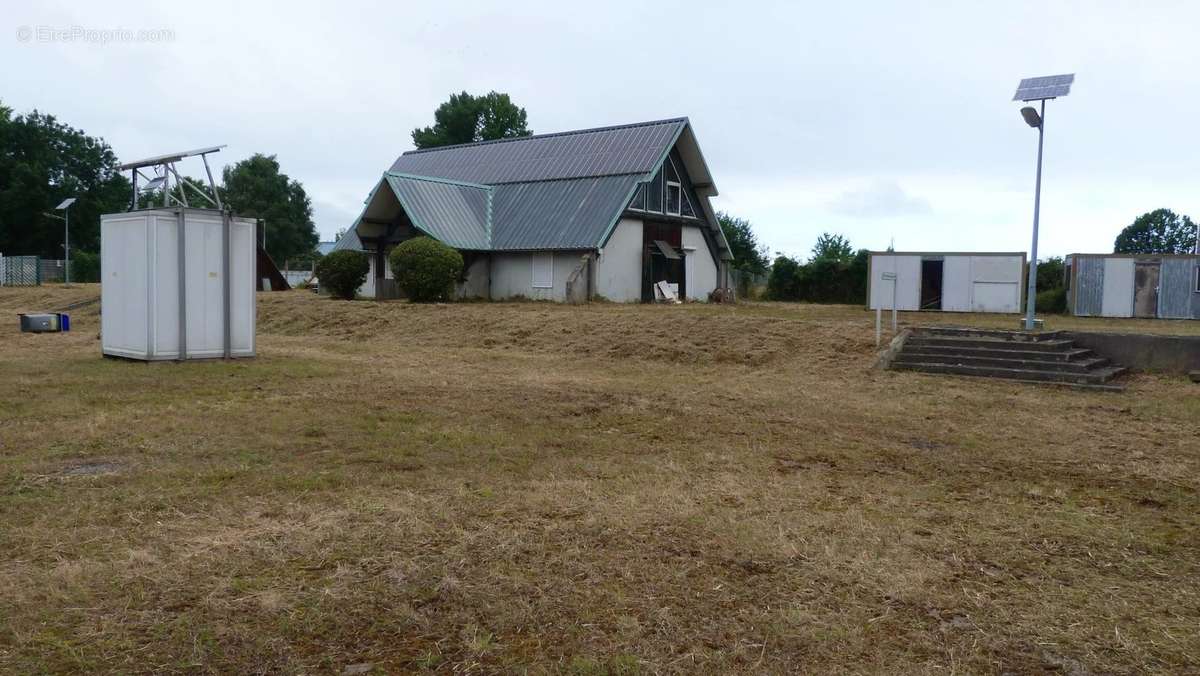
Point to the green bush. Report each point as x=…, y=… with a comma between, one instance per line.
x=342, y=272
x=1052, y=301
x=425, y=269
x=85, y=267
x=823, y=280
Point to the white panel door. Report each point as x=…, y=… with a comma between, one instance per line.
x=1118, y=288
x=996, y=283
x=956, y=284
x=124, y=320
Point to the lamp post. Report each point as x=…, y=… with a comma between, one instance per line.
x=1033, y=119
x=1038, y=89
x=66, y=219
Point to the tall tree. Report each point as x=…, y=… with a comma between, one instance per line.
x=467, y=119
x=1160, y=231
x=256, y=188
x=42, y=162
x=749, y=255
x=833, y=248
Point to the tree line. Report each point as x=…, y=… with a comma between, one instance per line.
x=44, y=161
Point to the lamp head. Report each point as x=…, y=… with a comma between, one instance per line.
x=1031, y=117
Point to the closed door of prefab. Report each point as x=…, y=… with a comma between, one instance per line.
x=1145, y=294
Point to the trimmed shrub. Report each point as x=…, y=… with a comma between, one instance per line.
x=342, y=272
x=1052, y=301
x=85, y=267
x=425, y=269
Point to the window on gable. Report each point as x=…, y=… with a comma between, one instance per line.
x=639, y=198
x=543, y=271
x=654, y=193
x=674, y=197
x=686, y=207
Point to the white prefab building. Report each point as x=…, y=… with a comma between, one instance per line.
x=598, y=213
x=946, y=281
x=177, y=283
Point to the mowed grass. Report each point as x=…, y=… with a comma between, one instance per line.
x=600, y=489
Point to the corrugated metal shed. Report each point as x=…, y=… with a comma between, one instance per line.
x=571, y=214
x=607, y=151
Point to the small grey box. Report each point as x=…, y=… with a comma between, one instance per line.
x=39, y=323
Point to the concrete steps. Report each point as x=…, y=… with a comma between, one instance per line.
x=1028, y=357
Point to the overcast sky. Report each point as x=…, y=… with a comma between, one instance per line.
x=876, y=120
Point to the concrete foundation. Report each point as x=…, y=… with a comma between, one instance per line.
x=1143, y=352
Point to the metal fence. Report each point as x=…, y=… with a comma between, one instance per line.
x=52, y=270
x=748, y=284
x=20, y=271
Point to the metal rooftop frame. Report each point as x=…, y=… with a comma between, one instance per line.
x=164, y=168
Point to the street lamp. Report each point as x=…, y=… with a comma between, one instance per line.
x=1038, y=89
x=66, y=219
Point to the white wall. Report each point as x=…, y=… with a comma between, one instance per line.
x=512, y=275
x=367, y=290
x=619, y=266
x=701, y=269
x=996, y=283
x=476, y=285
x=956, y=284
x=908, y=281
x=1118, y=287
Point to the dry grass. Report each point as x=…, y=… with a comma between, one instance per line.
x=604, y=489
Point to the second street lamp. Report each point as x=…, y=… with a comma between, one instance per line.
x=1038, y=89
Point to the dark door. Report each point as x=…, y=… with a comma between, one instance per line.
x=931, y=284
x=1145, y=284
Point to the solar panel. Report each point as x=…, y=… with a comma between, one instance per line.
x=154, y=184
x=1047, y=87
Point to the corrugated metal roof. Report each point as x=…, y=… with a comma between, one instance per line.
x=349, y=240
x=570, y=214
x=456, y=214
x=606, y=151
x=553, y=191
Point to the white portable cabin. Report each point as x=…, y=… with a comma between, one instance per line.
x=177, y=283
x=946, y=281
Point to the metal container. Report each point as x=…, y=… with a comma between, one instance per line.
x=46, y=322
x=177, y=283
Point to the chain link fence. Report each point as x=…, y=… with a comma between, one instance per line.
x=20, y=271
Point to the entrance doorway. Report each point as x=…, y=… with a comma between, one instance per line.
x=931, y=284
x=1145, y=284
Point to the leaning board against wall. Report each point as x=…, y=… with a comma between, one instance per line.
x=177, y=283
x=946, y=281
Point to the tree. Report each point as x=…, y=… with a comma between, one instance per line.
x=467, y=119
x=1051, y=274
x=749, y=255
x=42, y=162
x=255, y=188
x=1161, y=231
x=832, y=247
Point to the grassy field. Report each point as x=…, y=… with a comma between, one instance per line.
x=601, y=489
